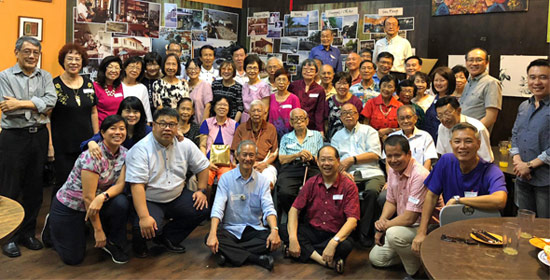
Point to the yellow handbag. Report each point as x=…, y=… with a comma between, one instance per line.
x=220, y=155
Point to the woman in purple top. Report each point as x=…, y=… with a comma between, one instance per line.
x=281, y=103
x=91, y=192
x=201, y=91
x=342, y=82
x=254, y=89
x=108, y=87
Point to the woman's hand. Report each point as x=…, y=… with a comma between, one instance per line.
x=94, y=150
x=213, y=167
x=95, y=207
x=100, y=238
x=51, y=153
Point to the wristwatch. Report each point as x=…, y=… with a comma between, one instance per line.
x=337, y=239
x=457, y=198
x=529, y=165
x=106, y=195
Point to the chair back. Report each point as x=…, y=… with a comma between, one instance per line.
x=458, y=212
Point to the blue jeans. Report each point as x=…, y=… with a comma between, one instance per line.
x=534, y=198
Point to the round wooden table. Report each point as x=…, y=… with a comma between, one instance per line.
x=11, y=217
x=450, y=260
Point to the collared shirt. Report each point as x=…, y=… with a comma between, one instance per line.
x=399, y=47
x=312, y=101
x=330, y=93
x=376, y=80
x=531, y=138
x=201, y=94
x=241, y=78
x=481, y=92
x=444, y=139
x=361, y=139
x=38, y=88
x=108, y=168
x=266, y=140
x=328, y=209
x=421, y=144
x=242, y=202
x=446, y=178
x=163, y=169
x=365, y=93
x=258, y=91
x=331, y=57
x=380, y=114
x=290, y=145
x=333, y=109
x=406, y=190
x=209, y=76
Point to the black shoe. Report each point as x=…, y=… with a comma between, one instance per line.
x=366, y=242
x=220, y=259
x=266, y=261
x=117, y=254
x=339, y=266
x=45, y=235
x=31, y=242
x=140, y=247
x=11, y=250
x=166, y=243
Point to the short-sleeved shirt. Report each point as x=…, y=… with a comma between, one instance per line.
x=407, y=190
x=201, y=94
x=218, y=134
x=251, y=93
x=380, y=114
x=421, y=144
x=481, y=92
x=399, y=47
x=169, y=95
x=108, y=100
x=108, y=168
x=279, y=112
x=330, y=57
x=328, y=209
x=312, y=101
x=333, y=108
x=266, y=139
x=163, y=169
x=140, y=91
x=234, y=95
x=365, y=93
x=290, y=145
x=209, y=76
x=446, y=178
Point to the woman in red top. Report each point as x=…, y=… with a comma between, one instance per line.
x=381, y=112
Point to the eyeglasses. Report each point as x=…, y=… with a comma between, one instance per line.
x=446, y=114
x=193, y=69
x=298, y=119
x=252, y=68
x=27, y=52
x=165, y=125
x=132, y=67
x=348, y=113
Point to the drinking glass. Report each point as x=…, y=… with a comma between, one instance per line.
x=526, y=219
x=503, y=147
x=510, y=238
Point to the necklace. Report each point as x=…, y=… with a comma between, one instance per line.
x=382, y=111
x=110, y=92
x=76, y=96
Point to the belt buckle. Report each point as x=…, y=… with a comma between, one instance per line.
x=33, y=129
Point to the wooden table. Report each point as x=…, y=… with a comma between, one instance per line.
x=450, y=260
x=11, y=216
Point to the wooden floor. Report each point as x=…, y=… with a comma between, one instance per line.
x=196, y=263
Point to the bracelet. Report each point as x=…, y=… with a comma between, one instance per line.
x=275, y=228
x=354, y=160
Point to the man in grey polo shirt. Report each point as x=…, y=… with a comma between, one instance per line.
x=156, y=169
x=26, y=95
x=482, y=96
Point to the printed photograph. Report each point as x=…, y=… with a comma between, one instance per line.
x=274, y=30
x=461, y=7
x=373, y=24
x=295, y=26
x=406, y=23
x=189, y=19
x=256, y=26
x=289, y=45
x=309, y=42
x=348, y=45
x=90, y=70
x=93, y=38
x=337, y=41
x=331, y=22
x=116, y=27
x=349, y=27
x=170, y=15
x=170, y=35
x=293, y=59
x=198, y=35
x=221, y=25
x=125, y=47
x=274, y=17
x=366, y=45
x=313, y=17
x=143, y=18
x=98, y=11
x=261, y=45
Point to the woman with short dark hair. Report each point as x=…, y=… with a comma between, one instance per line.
x=230, y=89
x=168, y=91
x=201, y=91
x=254, y=89
x=152, y=72
x=133, y=71
x=108, y=87
x=342, y=83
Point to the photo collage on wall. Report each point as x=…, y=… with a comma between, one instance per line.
x=128, y=28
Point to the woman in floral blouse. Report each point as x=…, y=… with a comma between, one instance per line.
x=168, y=91
x=91, y=193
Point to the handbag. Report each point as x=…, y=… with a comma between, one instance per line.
x=220, y=155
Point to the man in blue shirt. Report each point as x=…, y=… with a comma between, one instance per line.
x=327, y=53
x=463, y=178
x=243, y=205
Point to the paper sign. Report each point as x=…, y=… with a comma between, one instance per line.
x=298, y=14
x=342, y=12
x=390, y=12
x=261, y=15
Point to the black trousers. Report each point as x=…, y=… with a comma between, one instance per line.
x=315, y=240
x=67, y=227
x=63, y=163
x=289, y=182
x=235, y=250
x=22, y=157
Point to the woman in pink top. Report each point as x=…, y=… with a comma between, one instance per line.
x=201, y=92
x=254, y=89
x=108, y=87
x=281, y=103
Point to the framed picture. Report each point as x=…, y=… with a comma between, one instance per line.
x=30, y=27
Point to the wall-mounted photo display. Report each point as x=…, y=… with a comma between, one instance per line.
x=313, y=18
x=406, y=23
x=289, y=45
x=373, y=24
x=221, y=25
x=98, y=11
x=275, y=30
x=366, y=45
x=116, y=27
x=309, y=42
x=92, y=37
x=170, y=15
x=32, y=27
x=261, y=45
x=168, y=35
x=143, y=18
x=295, y=26
x=189, y=19
x=256, y=26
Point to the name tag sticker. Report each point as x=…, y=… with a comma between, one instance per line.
x=253, y=88
x=292, y=145
x=338, y=197
x=238, y=197
x=286, y=106
x=313, y=95
x=413, y=200
x=332, y=56
x=118, y=94
x=470, y=194
x=88, y=90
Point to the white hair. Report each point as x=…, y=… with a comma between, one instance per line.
x=276, y=59
x=257, y=102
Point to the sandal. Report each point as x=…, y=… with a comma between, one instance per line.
x=339, y=266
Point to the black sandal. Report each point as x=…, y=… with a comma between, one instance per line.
x=339, y=266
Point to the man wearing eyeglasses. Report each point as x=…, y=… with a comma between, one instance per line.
x=482, y=96
x=156, y=169
x=449, y=114
x=399, y=47
x=26, y=95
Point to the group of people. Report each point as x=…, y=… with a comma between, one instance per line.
x=367, y=155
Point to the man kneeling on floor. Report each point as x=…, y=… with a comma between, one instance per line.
x=405, y=197
x=331, y=202
x=243, y=205
x=156, y=169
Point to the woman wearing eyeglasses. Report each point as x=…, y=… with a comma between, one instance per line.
x=108, y=87
x=254, y=89
x=168, y=91
x=133, y=71
x=281, y=103
x=342, y=83
x=201, y=91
